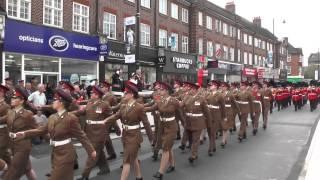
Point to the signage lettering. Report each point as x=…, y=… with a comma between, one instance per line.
x=116, y=54
x=182, y=63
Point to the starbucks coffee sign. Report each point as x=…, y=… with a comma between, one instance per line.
x=182, y=63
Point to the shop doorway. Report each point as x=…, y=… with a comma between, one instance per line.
x=41, y=77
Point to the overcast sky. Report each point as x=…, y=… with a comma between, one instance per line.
x=302, y=26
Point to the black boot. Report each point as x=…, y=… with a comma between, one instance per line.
x=255, y=131
x=76, y=165
x=170, y=169
x=158, y=175
x=83, y=178
x=264, y=127
x=111, y=157
x=139, y=178
x=192, y=159
x=182, y=147
x=104, y=170
x=240, y=139
x=155, y=155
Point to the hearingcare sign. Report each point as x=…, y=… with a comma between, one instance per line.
x=33, y=39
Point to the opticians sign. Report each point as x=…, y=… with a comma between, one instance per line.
x=39, y=40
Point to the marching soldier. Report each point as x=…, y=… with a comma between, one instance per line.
x=197, y=118
x=4, y=134
x=257, y=106
x=234, y=91
x=112, y=100
x=216, y=106
x=313, y=97
x=244, y=100
x=3, y=167
x=19, y=119
x=297, y=99
x=131, y=114
x=169, y=109
x=178, y=93
x=95, y=112
x=266, y=96
x=61, y=127
x=279, y=98
x=231, y=109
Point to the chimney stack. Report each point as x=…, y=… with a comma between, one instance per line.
x=257, y=21
x=231, y=7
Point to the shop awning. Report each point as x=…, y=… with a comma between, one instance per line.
x=295, y=79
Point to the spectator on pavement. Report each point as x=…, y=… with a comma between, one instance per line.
x=38, y=98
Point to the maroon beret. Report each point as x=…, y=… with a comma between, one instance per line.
x=68, y=85
x=62, y=95
x=4, y=88
x=21, y=93
x=97, y=90
x=130, y=87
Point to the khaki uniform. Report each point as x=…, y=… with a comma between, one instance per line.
x=131, y=115
x=216, y=106
x=197, y=119
x=4, y=134
x=62, y=127
x=266, y=95
x=21, y=120
x=179, y=95
x=257, y=107
x=231, y=109
x=95, y=112
x=244, y=100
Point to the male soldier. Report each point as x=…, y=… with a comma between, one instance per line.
x=234, y=90
x=312, y=96
x=197, y=118
x=4, y=134
x=244, y=100
x=216, y=106
x=112, y=100
x=257, y=106
x=96, y=111
x=266, y=95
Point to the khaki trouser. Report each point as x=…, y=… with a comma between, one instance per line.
x=243, y=124
x=212, y=133
x=195, y=136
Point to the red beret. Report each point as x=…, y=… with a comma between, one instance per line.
x=257, y=83
x=62, y=95
x=225, y=84
x=130, y=87
x=244, y=83
x=214, y=82
x=4, y=88
x=68, y=85
x=105, y=84
x=97, y=90
x=21, y=93
x=166, y=86
x=178, y=82
x=192, y=85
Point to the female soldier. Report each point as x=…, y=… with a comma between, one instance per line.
x=168, y=107
x=19, y=119
x=231, y=108
x=62, y=126
x=131, y=114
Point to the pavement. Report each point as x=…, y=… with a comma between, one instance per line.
x=279, y=153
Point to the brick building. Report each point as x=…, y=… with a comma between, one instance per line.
x=295, y=61
x=184, y=33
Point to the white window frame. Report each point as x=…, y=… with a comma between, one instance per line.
x=239, y=34
x=209, y=48
x=185, y=44
x=18, y=17
x=200, y=46
x=289, y=58
x=163, y=38
x=225, y=52
x=245, y=38
x=146, y=30
x=239, y=55
x=289, y=69
x=250, y=40
x=225, y=29
x=184, y=15
x=145, y=3
x=245, y=58
x=209, y=22
x=52, y=14
x=250, y=59
x=176, y=48
x=163, y=7
x=174, y=11
x=106, y=23
x=200, y=18
x=81, y=17
x=231, y=53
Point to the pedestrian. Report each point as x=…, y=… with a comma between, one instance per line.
x=116, y=81
x=197, y=118
x=19, y=119
x=61, y=127
x=4, y=135
x=38, y=98
x=41, y=120
x=168, y=108
x=95, y=112
x=131, y=114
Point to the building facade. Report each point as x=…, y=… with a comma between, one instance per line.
x=295, y=61
x=178, y=39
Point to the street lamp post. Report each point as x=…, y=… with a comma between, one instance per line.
x=133, y=67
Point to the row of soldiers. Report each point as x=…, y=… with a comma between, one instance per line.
x=197, y=109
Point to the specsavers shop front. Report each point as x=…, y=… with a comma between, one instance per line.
x=48, y=54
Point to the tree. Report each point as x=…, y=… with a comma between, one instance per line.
x=309, y=72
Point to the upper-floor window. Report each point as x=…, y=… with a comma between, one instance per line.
x=53, y=12
x=250, y=58
x=225, y=29
x=145, y=3
x=225, y=53
x=174, y=42
x=110, y=25
x=300, y=58
x=200, y=45
x=239, y=34
x=245, y=58
x=145, y=34
x=250, y=40
x=174, y=11
x=200, y=20
x=163, y=6
x=289, y=69
x=80, y=18
x=163, y=36
x=19, y=9
x=185, y=15
x=231, y=54
x=289, y=58
x=209, y=22
x=209, y=49
x=218, y=26
x=185, y=44
x=245, y=38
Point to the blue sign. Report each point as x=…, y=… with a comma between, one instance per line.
x=40, y=40
x=104, y=49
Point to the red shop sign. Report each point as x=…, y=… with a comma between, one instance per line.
x=260, y=73
x=250, y=72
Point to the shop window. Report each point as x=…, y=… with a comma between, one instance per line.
x=80, y=18
x=52, y=12
x=72, y=69
x=41, y=64
x=19, y=9
x=13, y=66
x=148, y=76
x=110, y=25
x=111, y=69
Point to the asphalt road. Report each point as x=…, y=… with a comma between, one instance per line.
x=274, y=154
